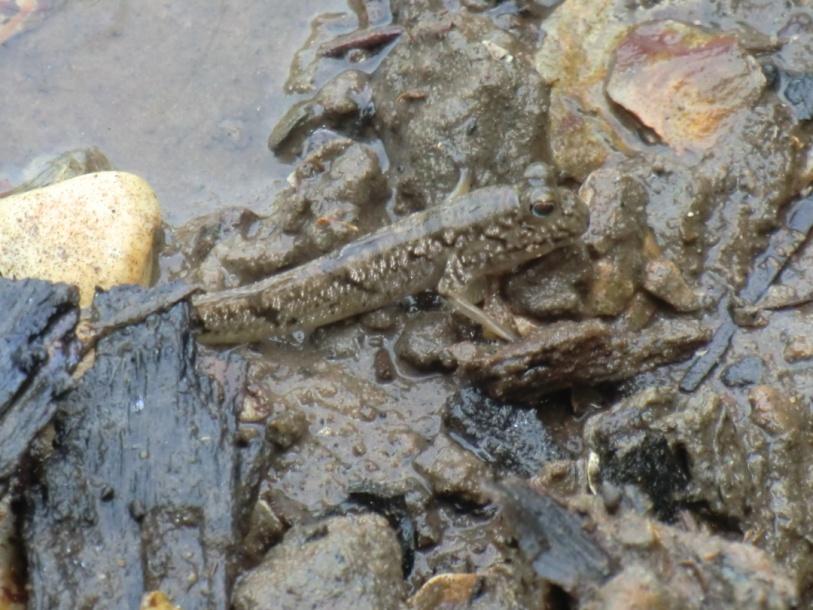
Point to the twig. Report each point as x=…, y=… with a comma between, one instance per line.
x=767, y=267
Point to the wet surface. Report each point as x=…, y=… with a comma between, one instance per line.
x=183, y=94
x=654, y=394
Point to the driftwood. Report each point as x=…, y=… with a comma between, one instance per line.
x=146, y=482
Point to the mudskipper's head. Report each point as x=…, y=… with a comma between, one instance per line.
x=552, y=216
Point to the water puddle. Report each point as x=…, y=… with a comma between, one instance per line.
x=183, y=94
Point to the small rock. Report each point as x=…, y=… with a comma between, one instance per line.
x=573, y=58
x=351, y=562
x=618, y=203
x=799, y=348
x=285, y=421
x=551, y=286
x=611, y=496
x=579, y=141
x=632, y=535
x=452, y=471
x=94, y=230
x=682, y=81
x=635, y=588
x=749, y=316
x=447, y=590
x=798, y=91
x=264, y=529
x=747, y=371
x=776, y=411
x=425, y=339
x=502, y=587
x=384, y=367
x=379, y=320
x=286, y=424
x=612, y=288
x=663, y=279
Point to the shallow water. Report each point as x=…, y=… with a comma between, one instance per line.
x=182, y=93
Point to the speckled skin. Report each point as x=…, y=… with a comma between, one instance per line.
x=486, y=232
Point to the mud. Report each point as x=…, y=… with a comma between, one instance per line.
x=671, y=251
x=655, y=401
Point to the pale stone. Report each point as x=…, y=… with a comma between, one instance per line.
x=93, y=230
x=574, y=59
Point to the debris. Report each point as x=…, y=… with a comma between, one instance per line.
x=506, y=436
x=554, y=539
x=783, y=245
x=682, y=81
x=368, y=38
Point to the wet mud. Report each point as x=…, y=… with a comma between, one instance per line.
x=620, y=422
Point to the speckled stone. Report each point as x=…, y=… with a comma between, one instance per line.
x=93, y=230
x=342, y=563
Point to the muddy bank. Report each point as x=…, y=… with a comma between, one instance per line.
x=524, y=327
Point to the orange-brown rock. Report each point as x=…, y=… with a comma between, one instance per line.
x=682, y=81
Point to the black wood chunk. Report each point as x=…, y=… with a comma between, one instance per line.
x=143, y=487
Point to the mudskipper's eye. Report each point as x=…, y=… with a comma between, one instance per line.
x=542, y=207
